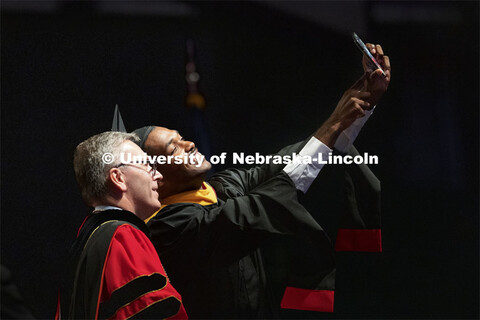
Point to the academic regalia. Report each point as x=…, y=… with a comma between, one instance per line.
x=118, y=274
x=211, y=249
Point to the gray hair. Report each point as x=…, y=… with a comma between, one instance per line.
x=88, y=163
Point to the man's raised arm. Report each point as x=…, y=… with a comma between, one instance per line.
x=340, y=130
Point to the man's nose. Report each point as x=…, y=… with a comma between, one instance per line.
x=188, y=145
x=157, y=176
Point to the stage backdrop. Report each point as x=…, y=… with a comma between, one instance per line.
x=270, y=79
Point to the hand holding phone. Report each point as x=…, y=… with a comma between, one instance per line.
x=374, y=64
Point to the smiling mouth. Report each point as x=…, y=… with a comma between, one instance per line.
x=195, y=153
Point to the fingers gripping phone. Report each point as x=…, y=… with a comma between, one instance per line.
x=373, y=63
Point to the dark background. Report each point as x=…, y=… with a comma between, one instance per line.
x=271, y=73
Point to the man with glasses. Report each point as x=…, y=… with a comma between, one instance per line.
x=117, y=272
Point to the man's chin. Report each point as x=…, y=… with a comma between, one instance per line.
x=195, y=172
x=204, y=166
x=208, y=165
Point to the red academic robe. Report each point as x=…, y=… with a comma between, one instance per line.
x=119, y=274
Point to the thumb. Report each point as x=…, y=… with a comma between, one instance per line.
x=375, y=74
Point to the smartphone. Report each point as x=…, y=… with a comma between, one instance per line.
x=374, y=64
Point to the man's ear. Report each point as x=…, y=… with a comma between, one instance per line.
x=117, y=179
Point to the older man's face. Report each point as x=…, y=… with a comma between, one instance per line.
x=141, y=186
x=176, y=177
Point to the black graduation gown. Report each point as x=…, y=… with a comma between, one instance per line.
x=211, y=252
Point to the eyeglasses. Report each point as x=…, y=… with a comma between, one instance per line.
x=152, y=168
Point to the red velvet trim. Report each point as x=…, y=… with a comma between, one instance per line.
x=144, y=302
x=131, y=255
x=306, y=299
x=366, y=240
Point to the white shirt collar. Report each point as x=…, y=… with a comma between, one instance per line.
x=103, y=208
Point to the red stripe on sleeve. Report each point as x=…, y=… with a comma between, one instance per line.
x=145, y=301
x=131, y=255
x=366, y=240
x=305, y=299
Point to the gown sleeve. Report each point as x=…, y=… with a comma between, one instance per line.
x=134, y=282
x=234, y=182
x=221, y=233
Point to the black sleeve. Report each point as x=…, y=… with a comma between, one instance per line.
x=235, y=182
x=363, y=193
x=219, y=234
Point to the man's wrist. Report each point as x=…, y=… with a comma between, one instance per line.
x=328, y=133
x=347, y=137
